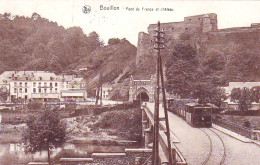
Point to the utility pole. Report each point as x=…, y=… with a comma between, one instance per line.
x=158, y=45
x=99, y=90
x=101, y=83
x=97, y=95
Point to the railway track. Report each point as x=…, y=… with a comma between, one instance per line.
x=213, y=151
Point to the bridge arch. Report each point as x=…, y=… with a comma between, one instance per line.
x=142, y=94
x=141, y=90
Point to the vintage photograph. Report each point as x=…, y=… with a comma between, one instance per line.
x=160, y=82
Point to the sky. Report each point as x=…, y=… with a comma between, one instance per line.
x=127, y=23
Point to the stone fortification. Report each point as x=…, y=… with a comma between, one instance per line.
x=196, y=30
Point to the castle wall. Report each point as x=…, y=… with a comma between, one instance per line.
x=199, y=31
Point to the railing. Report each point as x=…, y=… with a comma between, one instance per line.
x=234, y=127
x=178, y=158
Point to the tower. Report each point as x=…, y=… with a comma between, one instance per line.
x=206, y=23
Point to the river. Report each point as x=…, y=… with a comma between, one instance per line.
x=13, y=153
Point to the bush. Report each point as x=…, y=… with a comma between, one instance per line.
x=126, y=123
x=34, y=105
x=247, y=124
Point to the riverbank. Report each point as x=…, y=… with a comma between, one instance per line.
x=106, y=131
x=112, y=127
x=107, y=128
x=11, y=133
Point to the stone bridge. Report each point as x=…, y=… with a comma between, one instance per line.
x=147, y=133
x=142, y=90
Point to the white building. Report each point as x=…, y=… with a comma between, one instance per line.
x=241, y=85
x=72, y=88
x=41, y=85
x=233, y=105
x=106, y=92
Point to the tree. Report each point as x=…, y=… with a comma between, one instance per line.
x=243, y=97
x=181, y=70
x=4, y=93
x=44, y=132
x=256, y=93
x=218, y=97
x=113, y=41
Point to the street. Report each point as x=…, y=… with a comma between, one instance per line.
x=203, y=146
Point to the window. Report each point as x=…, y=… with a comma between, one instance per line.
x=34, y=90
x=20, y=90
x=21, y=84
x=56, y=84
x=25, y=84
x=45, y=84
x=56, y=90
x=15, y=90
x=15, y=84
x=25, y=90
x=51, y=78
x=45, y=90
x=34, y=84
x=40, y=78
x=50, y=84
x=39, y=90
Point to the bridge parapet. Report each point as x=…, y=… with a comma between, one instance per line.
x=148, y=117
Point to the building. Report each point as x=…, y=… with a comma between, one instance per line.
x=241, y=85
x=106, y=92
x=230, y=105
x=198, y=30
x=42, y=86
x=72, y=88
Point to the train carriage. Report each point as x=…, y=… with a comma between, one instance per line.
x=198, y=115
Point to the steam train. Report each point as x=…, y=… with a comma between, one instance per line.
x=196, y=115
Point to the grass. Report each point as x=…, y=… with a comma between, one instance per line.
x=11, y=117
x=10, y=137
x=242, y=120
x=123, y=123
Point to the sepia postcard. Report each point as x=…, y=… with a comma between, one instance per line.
x=121, y=82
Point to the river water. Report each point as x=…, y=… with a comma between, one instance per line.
x=13, y=153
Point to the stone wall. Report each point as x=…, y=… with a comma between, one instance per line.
x=130, y=157
x=200, y=31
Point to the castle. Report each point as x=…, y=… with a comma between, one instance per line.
x=197, y=29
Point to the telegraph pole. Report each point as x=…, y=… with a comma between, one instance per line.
x=158, y=45
x=101, y=83
x=99, y=90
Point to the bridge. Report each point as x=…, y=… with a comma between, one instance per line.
x=197, y=146
x=147, y=133
x=142, y=89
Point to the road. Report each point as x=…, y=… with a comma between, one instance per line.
x=204, y=146
x=195, y=145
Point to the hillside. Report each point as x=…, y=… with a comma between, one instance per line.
x=36, y=43
x=116, y=62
